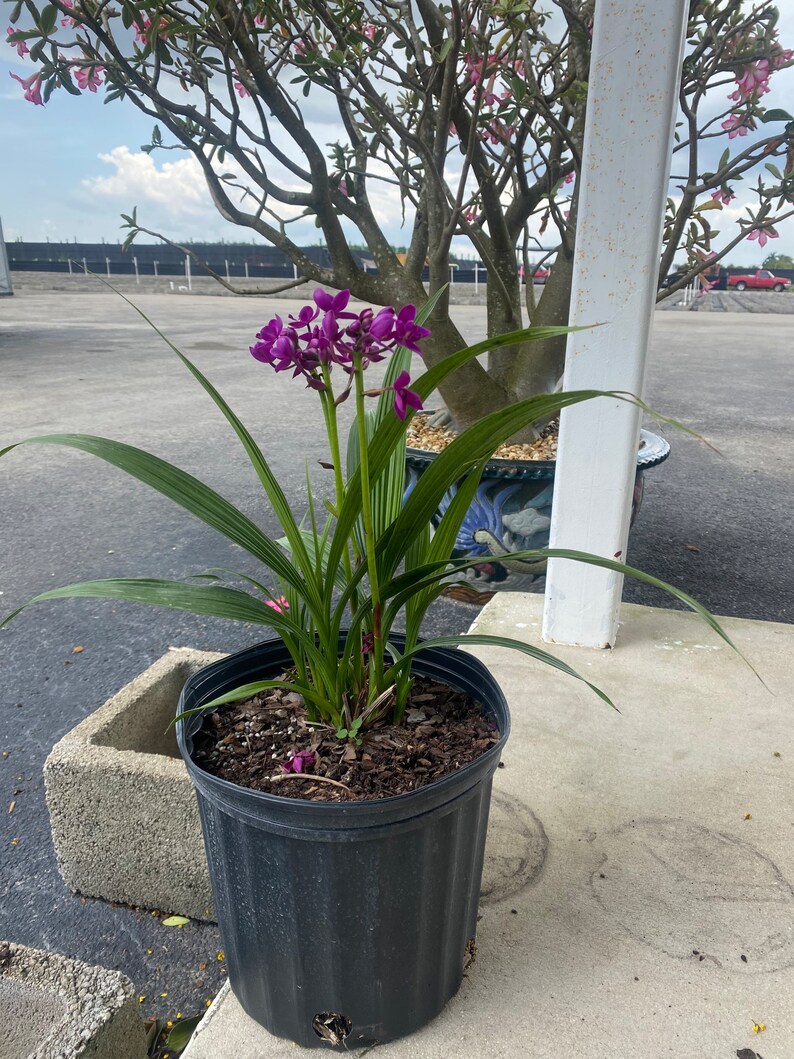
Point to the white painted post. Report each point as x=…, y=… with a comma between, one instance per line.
x=69, y=262
x=137, y=276
x=228, y=277
x=476, y=279
x=246, y=270
x=107, y=266
x=188, y=275
x=295, y=271
x=633, y=89
x=155, y=269
x=85, y=268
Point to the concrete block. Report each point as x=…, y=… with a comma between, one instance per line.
x=55, y=1008
x=122, y=808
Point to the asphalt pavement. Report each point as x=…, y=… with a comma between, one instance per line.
x=717, y=523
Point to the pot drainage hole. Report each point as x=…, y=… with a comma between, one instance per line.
x=331, y=1026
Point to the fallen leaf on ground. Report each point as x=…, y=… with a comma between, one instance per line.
x=175, y=921
x=693, y=548
x=181, y=1034
x=78, y=650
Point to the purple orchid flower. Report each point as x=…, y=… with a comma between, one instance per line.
x=277, y=344
x=407, y=332
x=305, y=316
x=335, y=303
x=310, y=346
x=304, y=759
x=403, y=397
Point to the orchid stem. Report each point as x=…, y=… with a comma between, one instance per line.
x=366, y=516
x=329, y=408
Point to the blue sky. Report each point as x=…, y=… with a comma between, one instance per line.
x=73, y=166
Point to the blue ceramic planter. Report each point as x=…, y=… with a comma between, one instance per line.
x=512, y=510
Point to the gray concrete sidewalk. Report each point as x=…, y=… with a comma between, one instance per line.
x=638, y=899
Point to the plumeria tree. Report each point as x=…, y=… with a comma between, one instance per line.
x=469, y=115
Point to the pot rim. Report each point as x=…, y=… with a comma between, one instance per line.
x=455, y=784
x=653, y=450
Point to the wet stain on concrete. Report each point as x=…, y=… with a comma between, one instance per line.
x=516, y=849
x=697, y=895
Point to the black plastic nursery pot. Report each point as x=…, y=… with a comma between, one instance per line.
x=348, y=920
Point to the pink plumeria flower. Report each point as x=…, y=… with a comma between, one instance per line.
x=32, y=86
x=68, y=21
x=497, y=132
x=763, y=235
x=142, y=29
x=88, y=77
x=723, y=195
x=705, y=285
x=369, y=31
x=737, y=125
x=472, y=70
x=471, y=215
x=570, y=178
x=280, y=604
x=753, y=83
x=241, y=90
x=20, y=45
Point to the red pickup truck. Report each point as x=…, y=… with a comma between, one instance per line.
x=762, y=280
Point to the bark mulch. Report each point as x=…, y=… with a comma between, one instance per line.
x=251, y=744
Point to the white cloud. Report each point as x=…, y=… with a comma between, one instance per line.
x=177, y=186
x=174, y=197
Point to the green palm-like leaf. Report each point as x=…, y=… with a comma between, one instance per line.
x=256, y=687
x=502, y=641
x=216, y=601
x=317, y=549
x=190, y=493
x=461, y=456
x=391, y=430
x=273, y=490
x=439, y=548
x=406, y=584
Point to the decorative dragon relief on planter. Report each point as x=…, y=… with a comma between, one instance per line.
x=511, y=512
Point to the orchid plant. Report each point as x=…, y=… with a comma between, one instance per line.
x=339, y=581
